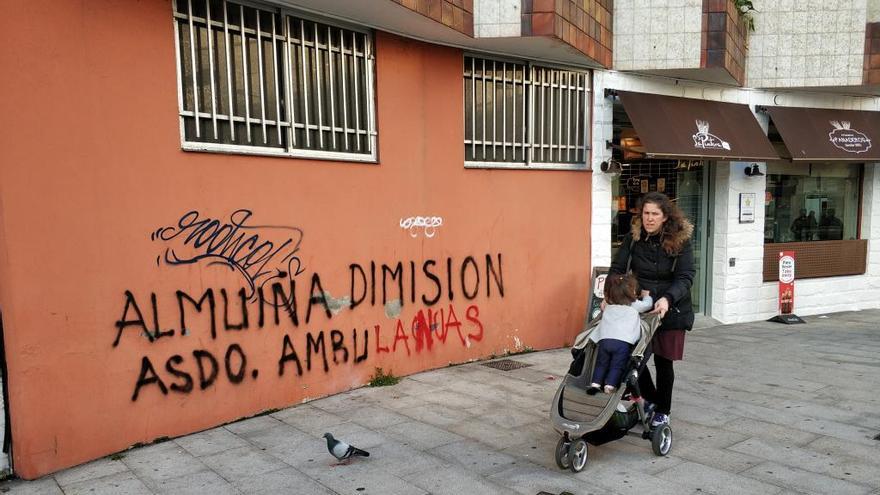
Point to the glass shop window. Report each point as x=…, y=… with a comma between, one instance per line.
x=812, y=202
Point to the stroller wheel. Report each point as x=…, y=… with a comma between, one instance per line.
x=577, y=454
x=562, y=459
x=661, y=440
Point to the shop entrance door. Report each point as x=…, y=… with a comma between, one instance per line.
x=694, y=199
x=687, y=183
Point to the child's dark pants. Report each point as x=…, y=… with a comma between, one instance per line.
x=611, y=358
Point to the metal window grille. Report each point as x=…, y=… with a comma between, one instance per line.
x=260, y=80
x=517, y=113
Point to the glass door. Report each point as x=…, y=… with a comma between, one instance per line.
x=693, y=199
x=687, y=183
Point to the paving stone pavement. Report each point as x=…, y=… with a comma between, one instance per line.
x=759, y=408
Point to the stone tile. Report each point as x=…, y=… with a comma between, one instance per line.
x=252, y=424
x=684, y=432
x=843, y=468
x=625, y=480
x=288, y=481
x=43, y=486
x=454, y=480
x=376, y=417
x=114, y=484
x=400, y=402
x=529, y=480
x=525, y=396
x=210, y=442
x=89, y=471
x=362, y=477
x=453, y=399
x=837, y=447
x=196, y=484
x=274, y=436
x=399, y=460
x=718, y=458
x=716, y=481
x=437, y=415
x=163, y=461
x=831, y=412
x=697, y=414
x=536, y=376
x=801, y=480
x=507, y=416
x=482, y=431
x=420, y=435
x=306, y=451
x=631, y=453
x=309, y=419
x=474, y=456
x=763, y=429
x=240, y=463
x=536, y=446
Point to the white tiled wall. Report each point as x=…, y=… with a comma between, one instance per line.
x=661, y=34
x=739, y=293
x=497, y=18
x=873, y=11
x=807, y=44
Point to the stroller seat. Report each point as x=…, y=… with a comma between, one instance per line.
x=574, y=406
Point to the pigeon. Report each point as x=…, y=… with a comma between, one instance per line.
x=342, y=450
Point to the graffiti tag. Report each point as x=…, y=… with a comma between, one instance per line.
x=427, y=224
x=250, y=250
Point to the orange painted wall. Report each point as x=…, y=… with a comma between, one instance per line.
x=92, y=166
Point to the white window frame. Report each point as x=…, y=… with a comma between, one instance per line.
x=579, y=92
x=283, y=88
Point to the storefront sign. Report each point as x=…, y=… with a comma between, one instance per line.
x=597, y=294
x=746, y=207
x=786, y=282
x=849, y=140
x=704, y=140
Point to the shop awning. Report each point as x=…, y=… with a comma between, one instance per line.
x=669, y=126
x=823, y=134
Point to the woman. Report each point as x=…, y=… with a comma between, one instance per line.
x=659, y=253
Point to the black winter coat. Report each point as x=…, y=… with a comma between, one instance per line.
x=664, y=275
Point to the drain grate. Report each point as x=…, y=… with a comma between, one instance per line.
x=506, y=364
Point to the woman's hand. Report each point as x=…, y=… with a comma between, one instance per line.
x=602, y=305
x=661, y=307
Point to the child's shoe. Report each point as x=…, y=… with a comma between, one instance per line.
x=610, y=389
x=594, y=389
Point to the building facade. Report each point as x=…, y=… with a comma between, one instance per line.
x=214, y=209
x=807, y=73
x=210, y=209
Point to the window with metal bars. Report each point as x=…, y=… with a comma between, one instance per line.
x=264, y=81
x=518, y=114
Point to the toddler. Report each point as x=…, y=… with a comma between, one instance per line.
x=618, y=331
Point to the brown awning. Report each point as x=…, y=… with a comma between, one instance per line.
x=823, y=134
x=687, y=127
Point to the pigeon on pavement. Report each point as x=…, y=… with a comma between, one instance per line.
x=342, y=450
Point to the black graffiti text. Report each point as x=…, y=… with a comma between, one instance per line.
x=259, y=253
x=203, y=367
x=428, y=283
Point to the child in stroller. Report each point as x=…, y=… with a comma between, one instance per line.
x=618, y=331
x=582, y=415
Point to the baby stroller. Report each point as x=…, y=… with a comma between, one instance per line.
x=582, y=418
